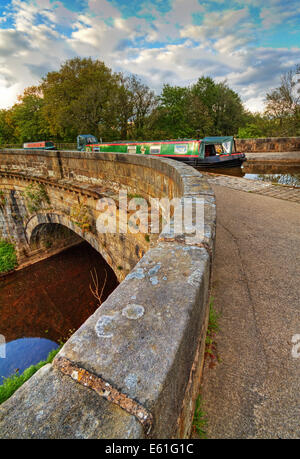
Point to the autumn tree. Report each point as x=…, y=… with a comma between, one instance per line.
x=283, y=104
x=30, y=125
x=7, y=127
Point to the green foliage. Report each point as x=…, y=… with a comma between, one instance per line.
x=80, y=216
x=30, y=124
x=212, y=329
x=80, y=97
x=199, y=421
x=35, y=195
x=214, y=316
x=8, y=258
x=7, y=127
x=12, y=383
x=2, y=199
x=205, y=108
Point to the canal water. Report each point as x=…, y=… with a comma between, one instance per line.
x=282, y=174
x=41, y=305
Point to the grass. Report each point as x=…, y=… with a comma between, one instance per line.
x=199, y=421
x=212, y=329
x=8, y=257
x=213, y=326
x=12, y=383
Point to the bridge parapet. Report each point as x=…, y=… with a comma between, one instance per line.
x=133, y=368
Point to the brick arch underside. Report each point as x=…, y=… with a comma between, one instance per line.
x=36, y=221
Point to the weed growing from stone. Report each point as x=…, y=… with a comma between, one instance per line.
x=80, y=216
x=35, y=195
x=199, y=421
x=212, y=329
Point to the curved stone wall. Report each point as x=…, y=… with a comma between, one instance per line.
x=133, y=368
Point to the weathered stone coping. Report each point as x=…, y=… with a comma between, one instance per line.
x=132, y=369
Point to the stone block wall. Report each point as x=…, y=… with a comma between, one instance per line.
x=132, y=370
x=268, y=145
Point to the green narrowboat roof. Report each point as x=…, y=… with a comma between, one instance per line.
x=216, y=140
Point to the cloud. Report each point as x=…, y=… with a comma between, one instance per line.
x=174, y=44
x=216, y=25
x=12, y=43
x=278, y=12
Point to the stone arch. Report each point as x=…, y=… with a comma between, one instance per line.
x=44, y=218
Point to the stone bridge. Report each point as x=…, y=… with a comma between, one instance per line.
x=132, y=370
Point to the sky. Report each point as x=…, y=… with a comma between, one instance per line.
x=249, y=44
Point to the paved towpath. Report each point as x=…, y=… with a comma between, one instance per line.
x=254, y=392
x=285, y=192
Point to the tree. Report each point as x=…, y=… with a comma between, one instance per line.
x=144, y=102
x=80, y=97
x=27, y=116
x=205, y=108
x=283, y=104
x=135, y=104
x=7, y=127
x=215, y=108
x=170, y=118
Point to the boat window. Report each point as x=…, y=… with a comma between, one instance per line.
x=181, y=149
x=91, y=139
x=131, y=149
x=155, y=150
x=227, y=147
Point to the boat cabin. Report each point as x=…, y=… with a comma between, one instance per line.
x=44, y=145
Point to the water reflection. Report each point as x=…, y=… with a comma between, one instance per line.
x=40, y=304
x=279, y=173
x=22, y=353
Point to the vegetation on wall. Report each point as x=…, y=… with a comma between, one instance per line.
x=8, y=258
x=2, y=199
x=80, y=215
x=35, y=196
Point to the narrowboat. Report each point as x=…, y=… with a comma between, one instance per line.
x=220, y=152
x=207, y=152
x=44, y=145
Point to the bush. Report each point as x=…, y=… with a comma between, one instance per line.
x=8, y=258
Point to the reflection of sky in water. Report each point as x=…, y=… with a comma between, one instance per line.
x=42, y=304
x=21, y=353
x=284, y=179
